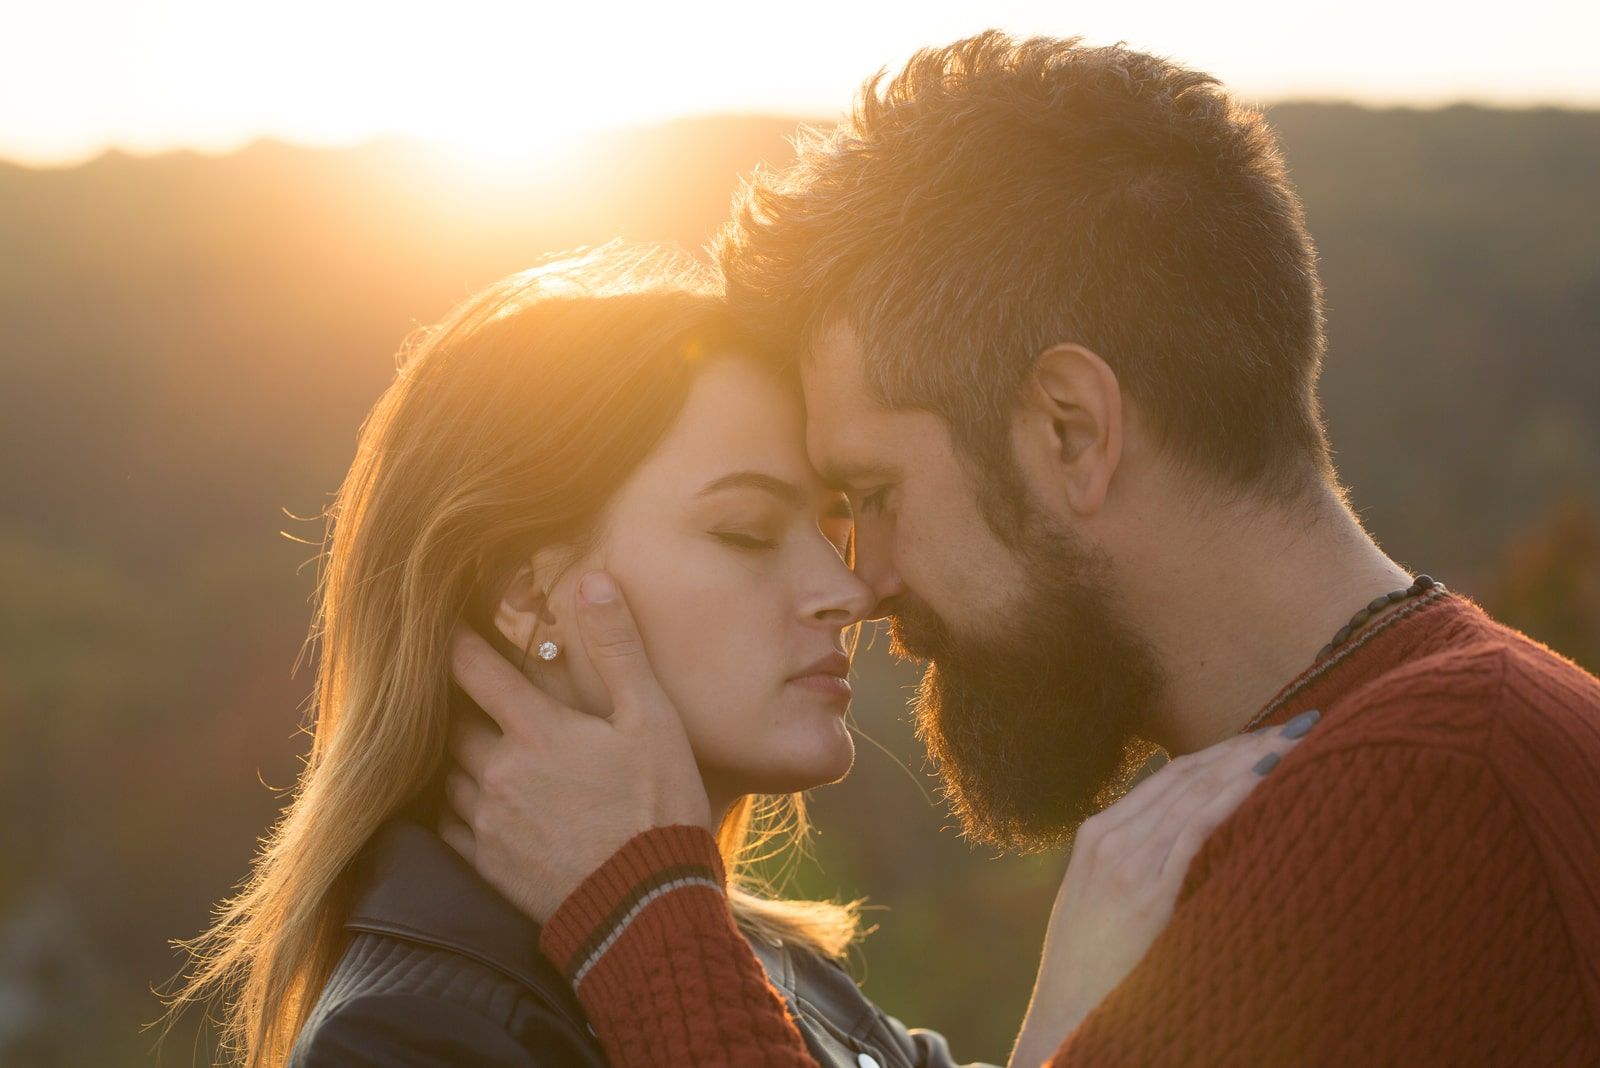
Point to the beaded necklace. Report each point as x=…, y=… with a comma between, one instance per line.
x=1425, y=589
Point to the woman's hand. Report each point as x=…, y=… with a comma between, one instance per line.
x=1128, y=863
x=547, y=799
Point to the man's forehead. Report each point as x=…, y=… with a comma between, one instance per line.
x=848, y=434
x=834, y=442
x=830, y=367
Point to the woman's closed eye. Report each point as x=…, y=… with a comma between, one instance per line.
x=746, y=541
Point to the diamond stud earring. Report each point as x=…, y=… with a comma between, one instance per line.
x=549, y=651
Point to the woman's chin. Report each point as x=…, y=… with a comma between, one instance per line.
x=840, y=761
x=817, y=761
x=834, y=754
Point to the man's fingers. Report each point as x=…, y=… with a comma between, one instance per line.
x=461, y=791
x=611, y=638
x=458, y=836
x=471, y=742
x=492, y=681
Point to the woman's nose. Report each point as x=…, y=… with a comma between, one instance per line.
x=845, y=600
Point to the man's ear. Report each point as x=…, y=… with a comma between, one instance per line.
x=525, y=615
x=1069, y=432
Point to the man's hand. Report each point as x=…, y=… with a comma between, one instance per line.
x=549, y=798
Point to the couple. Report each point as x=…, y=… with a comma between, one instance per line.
x=1032, y=342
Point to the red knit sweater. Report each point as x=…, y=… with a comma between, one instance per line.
x=1417, y=882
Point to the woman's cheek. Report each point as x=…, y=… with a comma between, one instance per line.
x=727, y=712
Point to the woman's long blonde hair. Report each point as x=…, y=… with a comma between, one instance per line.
x=508, y=427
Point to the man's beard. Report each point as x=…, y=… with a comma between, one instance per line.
x=1033, y=725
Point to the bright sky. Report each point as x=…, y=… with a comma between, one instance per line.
x=77, y=76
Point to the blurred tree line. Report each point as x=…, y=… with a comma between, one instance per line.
x=191, y=343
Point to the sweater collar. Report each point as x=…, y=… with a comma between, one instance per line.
x=1441, y=623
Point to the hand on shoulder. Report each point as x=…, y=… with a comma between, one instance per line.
x=1128, y=864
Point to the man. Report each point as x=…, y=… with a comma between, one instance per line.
x=1059, y=329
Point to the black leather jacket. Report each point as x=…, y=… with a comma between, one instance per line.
x=441, y=970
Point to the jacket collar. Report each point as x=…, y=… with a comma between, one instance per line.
x=410, y=884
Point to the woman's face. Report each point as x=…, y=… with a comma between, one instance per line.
x=729, y=551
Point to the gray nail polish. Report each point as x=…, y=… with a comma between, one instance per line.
x=1301, y=725
x=1266, y=764
x=1261, y=730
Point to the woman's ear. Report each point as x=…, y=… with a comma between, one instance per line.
x=525, y=615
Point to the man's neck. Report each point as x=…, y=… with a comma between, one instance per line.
x=1240, y=605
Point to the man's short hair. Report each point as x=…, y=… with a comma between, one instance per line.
x=998, y=197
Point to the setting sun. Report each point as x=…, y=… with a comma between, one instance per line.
x=508, y=79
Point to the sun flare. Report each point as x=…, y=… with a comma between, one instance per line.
x=506, y=80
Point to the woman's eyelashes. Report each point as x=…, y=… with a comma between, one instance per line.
x=760, y=532
x=747, y=542
x=837, y=531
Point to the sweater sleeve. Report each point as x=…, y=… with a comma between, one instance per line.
x=1370, y=904
x=662, y=972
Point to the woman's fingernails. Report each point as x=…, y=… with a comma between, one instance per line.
x=1261, y=730
x=597, y=588
x=1266, y=764
x=1301, y=725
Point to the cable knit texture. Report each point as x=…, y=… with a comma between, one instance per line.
x=676, y=984
x=1417, y=882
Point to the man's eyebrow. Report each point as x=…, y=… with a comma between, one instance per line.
x=842, y=477
x=785, y=491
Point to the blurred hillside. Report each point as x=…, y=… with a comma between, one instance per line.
x=191, y=342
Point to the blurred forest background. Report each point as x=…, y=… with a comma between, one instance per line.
x=190, y=343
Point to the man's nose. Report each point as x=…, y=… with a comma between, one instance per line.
x=875, y=567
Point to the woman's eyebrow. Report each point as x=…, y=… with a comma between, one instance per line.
x=785, y=491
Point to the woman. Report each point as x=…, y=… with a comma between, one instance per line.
x=596, y=412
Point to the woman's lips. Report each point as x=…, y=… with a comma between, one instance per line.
x=828, y=685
